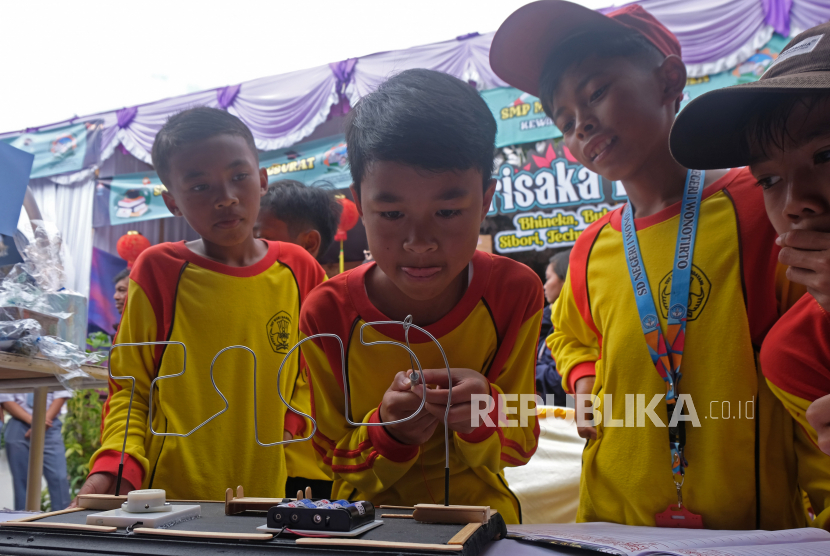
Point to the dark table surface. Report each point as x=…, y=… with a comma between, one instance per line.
x=56, y=541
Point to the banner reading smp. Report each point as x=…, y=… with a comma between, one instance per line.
x=322, y=160
x=519, y=117
x=60, y=151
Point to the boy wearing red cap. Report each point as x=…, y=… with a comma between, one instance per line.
x=686, y=269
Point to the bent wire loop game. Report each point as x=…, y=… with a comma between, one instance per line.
x=416, y=377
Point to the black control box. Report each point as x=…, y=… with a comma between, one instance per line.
x=340, y=519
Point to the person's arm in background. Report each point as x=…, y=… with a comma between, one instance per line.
x=51, y=413
x=18, y=412
x=54, y=409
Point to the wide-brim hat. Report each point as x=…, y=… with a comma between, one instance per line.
x=709, y=132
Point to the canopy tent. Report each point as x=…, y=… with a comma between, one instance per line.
x=282, y=110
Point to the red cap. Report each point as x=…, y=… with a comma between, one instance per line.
x=524, y=41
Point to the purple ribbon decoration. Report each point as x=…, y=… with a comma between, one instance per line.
x=343, y=72
x=126, y=116
x=226, y=95
x=777, y=15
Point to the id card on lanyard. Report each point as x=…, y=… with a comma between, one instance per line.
x=667, y=351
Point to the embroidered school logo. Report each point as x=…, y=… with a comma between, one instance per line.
x=699, y=289
x=279, y=331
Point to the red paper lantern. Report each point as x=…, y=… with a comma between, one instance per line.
x=348, y=218
x=130, y=246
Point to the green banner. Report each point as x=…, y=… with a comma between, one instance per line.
x=519, y=117
x=136, y=197
x=318, y=162
x=59, y=151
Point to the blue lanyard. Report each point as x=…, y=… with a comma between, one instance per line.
x=666, y=352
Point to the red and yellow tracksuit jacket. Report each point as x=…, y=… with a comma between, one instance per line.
x=493, y=329
x=177, y=295
x=748, y=458
x=795, y=359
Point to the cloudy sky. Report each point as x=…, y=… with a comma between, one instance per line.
x=61, y=59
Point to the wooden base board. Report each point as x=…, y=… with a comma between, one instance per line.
x=460, y=515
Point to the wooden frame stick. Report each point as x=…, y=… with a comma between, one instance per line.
x=361, y=543
x=35, y=517
x=54, y=525
x=462, y=536
x=203, y=534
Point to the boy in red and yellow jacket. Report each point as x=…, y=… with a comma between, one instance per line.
x=421, y=155
x=224, y=289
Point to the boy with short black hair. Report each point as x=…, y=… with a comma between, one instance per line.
x=293, y=212
x=686, y=269
x=780, y=127
x=421, y=155
x=224, y=289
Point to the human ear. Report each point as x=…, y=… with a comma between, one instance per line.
x=310, y=241
x=356, y=197
x=673, y=75
x=263, y=181
x=488, y=197
x=171, y=204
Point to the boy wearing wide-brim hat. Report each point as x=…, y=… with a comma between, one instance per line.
x=780, y=127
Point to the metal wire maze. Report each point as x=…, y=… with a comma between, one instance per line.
x=416, y=376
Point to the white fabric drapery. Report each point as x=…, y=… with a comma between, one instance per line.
x=70, y=208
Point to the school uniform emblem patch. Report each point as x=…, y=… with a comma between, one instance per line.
x=279, y=331
x=699, y=289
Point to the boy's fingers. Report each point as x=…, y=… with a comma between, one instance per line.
x=401, y=383
x=461, y=413
x=805, y=239
x=439, y=376
x=589, y=433
x=803, y=276
x=801, y=258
